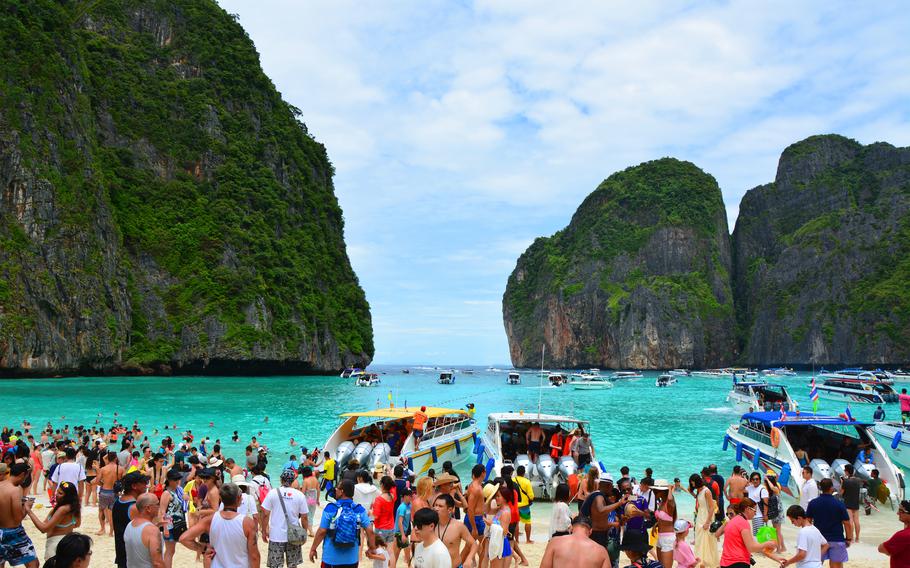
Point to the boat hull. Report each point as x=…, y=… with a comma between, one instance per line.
x=446, y=450
x=885, y=433
x=847, y=395
x=580, y=385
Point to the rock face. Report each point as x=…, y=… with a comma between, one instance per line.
x=161, y=208
x=640, y=278
x=822, y=257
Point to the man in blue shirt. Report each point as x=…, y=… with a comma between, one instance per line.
x=831, y=519
x=332, y=556
x=292, y=463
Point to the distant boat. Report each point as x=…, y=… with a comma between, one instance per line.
x=513, y=379
x=406, y=371
x=446, y=378
x=592, y=383
x=467, y=371
x=865, y=390
x=680, y=373
x=368, y=380
x=349, y=372
x=665, y=381
x=619, y=375
x=584, y=375
x=755, y=396
x=557, y=379
x=778, y=372
x=898, y=375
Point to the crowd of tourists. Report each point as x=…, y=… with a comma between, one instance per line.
x=183, y=491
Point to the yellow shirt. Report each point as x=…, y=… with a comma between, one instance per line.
x=188, y=495
x=328, y=469
x=526, y=493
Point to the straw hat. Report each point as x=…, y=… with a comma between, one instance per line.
x=489, y=491
x=444, y=478
x=605, y=477
x=214, y=462
x=660, y=485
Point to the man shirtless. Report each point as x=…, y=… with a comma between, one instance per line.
x=105, y=480
x=474, y=517
x=735, y=487
x=453, y=532
x=599, y=523
x=535, y=437
x=576, y=550
x=16, y=548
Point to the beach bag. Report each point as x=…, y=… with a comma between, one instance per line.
x=296, y=533
x=496, y=546
x=118, y=485
x=773, y=507
x=345, y=525
x=766, y=533
x=883, y=493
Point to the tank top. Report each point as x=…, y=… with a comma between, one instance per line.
x=227, y=538
x=120, y=518
x=137, y=555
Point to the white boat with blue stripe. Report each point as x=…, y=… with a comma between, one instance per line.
x=770, y=440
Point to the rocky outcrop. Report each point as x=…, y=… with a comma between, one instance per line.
x=640, y=278
x=162, y=210
x=822, y=257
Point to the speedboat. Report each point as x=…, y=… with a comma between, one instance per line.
x=619, y=375
x=351, y=372
x=557, y=379
x=513, y=379
x=726, y=373
x=680, y=373
x=898, y=376
x=877, y=374
x=895, y=438
x=368, y=380
x=382, y=436
x=770, y=440
x=753, y=396
x=778, y=372
x=503, y=443
x=864, y=390
x=586, y=374
x=592, y=383
x=467, y=371
x=665, y=380
x=446, y=378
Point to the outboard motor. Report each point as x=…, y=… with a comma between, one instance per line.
x=523, y=459
x=837, y=467
x=820, y=469
x=343, y=453
x=362, y=453
x=380, y=454
x=567, y=466
x=863, y=470
x=546, y=468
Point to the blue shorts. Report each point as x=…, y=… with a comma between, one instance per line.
x=478, y=523
x=418, y=434
x=15, y=547
x=837, y=552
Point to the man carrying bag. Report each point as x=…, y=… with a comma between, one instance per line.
x=285, y=532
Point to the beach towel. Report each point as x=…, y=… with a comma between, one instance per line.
x=497, y=542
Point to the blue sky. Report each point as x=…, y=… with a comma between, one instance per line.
x=460, y=131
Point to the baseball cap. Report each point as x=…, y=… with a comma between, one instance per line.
x=681, y=525
x=605, y=477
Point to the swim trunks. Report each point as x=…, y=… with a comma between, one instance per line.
x=524, y=513
x=16, y=548
x=106, y=498
x=478, y=523
x=534, y=447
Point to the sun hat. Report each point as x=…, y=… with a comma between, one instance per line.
x=771, y=473
x=379, y=468
x=660, y=485
x=605, y=477
x=681, y=525
x=444, y=478
x=240, y=480
x=489, y=491
x=214, y=462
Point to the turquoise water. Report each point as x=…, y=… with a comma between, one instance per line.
x=674, y=430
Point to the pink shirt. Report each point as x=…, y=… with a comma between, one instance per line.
x=734, y=548
x=683, y=555
x=905, y=402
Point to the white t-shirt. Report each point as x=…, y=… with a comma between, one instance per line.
x=247, y=506
x=382, y=563
x=808, y=491
x=294, y=502
x=757, y=494
x=69, y=471
x=365, y=494
x=810, y=540
x=434, y=556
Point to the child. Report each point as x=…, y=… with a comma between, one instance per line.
x=380, y=556
x=403, y=528
x=683, y=554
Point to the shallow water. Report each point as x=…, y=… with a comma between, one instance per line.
x=674, y=430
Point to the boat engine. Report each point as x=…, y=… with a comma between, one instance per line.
x=546, y=468
x=863, y=470
x=343, y=453
x=380, y=454
x=837, y=467
x=523, y=459
x=362, y=453
x=820, y=469
x=567, y=466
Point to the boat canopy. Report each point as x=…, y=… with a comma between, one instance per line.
x=532, y=417
x=801, y=419
x=405, y=412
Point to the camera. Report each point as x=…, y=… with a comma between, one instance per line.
x=715, y=526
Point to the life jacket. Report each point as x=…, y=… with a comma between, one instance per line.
x=556, y=440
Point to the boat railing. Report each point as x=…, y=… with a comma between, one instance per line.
x=754, y=434
x=445, y=429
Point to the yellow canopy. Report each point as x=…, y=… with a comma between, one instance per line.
x=407, y=412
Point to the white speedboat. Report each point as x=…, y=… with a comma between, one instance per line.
x=592, y=383
x=752, y=396
x=382, y=436
x=368, y=380
x=620, y=375
x=898, y=376
x=557, y=379
x=503, y=443
x=778, y=372
x=862, y=390
x=863, y=374
x=762, y=440
x=446, y=378
x=680, y=373
x=726, y=373
x=665, y=380
x=351, y=372
x=513, y=379
x=586, y=374
x=895, y=438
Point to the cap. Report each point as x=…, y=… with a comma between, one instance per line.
x=681, y=525
x=489, y=490
x=423, y=408
x=444, y=478
x=605, y=477
x=771, y=472
x=660, y=485
x=174, y=475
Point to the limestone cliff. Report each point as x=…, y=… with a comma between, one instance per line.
x=640, y=278
x=822, y=257
x=161, y=208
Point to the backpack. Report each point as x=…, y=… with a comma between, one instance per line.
x=345, y=525
x=773, y=506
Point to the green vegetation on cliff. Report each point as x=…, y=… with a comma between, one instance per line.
x=158, y=114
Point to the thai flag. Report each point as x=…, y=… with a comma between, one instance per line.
x=813, y=394
x=849, y=416
x=783, y=413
